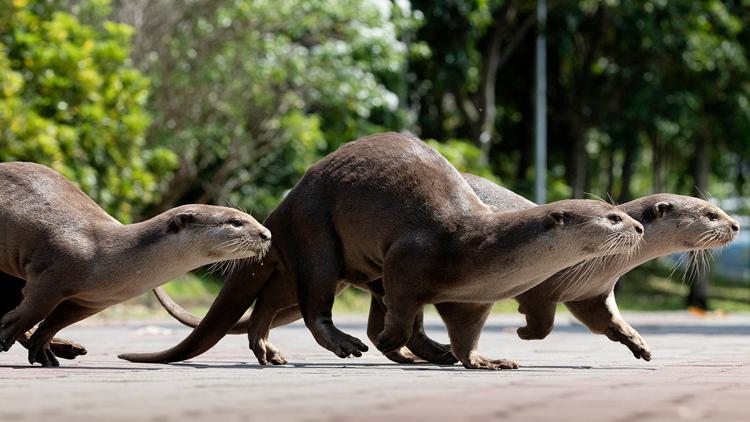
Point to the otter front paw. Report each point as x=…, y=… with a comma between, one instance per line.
x=266, y=352
x=344, y=345
x=9, y=331
x=533, y=332
x=477, y=361
x=341, y=344
x=392, y=340
x=274, y=355
x=631, y=339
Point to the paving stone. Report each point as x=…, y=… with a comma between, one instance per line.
x=700, y=371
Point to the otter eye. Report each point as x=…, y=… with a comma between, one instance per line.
x=614, y=218
x=235, y=222
x=712, y=216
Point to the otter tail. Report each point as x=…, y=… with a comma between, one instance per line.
x=185, y=317
x=235, y=297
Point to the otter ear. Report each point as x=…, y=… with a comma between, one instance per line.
x=555, y=219
x=661, y=208
x=179, y=222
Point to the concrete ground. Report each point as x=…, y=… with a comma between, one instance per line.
x=700, y=371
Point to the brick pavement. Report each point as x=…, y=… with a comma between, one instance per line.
x=700, y=371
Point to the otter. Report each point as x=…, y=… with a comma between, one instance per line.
x=63, y=258
x=389, y=206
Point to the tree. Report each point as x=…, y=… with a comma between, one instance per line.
x=251, y=93
x=70, y=98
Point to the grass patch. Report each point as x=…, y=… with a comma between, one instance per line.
x=646, y=288
x=649, y=288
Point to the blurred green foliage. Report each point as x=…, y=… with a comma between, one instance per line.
x=70, y=98
x=229, y=101
x=465, y=156
x=151, y=104
x=249, y=94
x=643, y=96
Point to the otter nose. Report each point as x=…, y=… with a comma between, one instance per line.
x=735, y=226
x=638, y=227
x=265, y=234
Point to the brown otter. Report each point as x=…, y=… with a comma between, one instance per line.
x=390, y=206
x=68, y=259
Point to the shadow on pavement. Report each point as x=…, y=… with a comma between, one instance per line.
x=393, y=366
x=83, y=367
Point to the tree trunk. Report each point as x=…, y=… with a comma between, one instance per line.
x=494, y=59
x=610, y=172
x=579, y=159
x=658, y=163
x=698, y=296
x=631, y=149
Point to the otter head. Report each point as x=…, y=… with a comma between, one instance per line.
x=218, y=233
x=682, y=223
x=596, y=227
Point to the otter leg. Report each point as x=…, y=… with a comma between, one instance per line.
x=65, y=314
x=404, y=292
x=293, y=313
x=10, y=292
x=540, y=317
x=375, y=324
x=11, y=297
x=465, y=322
x=427, y=348
x=539, y=310
x=401, y=312
x=419, y=345
x=286, y=316
x=257, y=333
x=317, y=282
x=36, y=304
x=601, y=316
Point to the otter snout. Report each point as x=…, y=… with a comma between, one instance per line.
x=638, y=227
x=617, y=218
x=734, y=225
x=264, y=234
